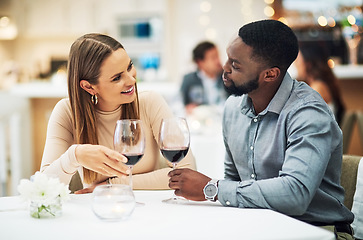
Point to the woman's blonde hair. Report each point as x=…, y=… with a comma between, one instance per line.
x=86, y=56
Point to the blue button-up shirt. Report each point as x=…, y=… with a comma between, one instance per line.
x=286, y=158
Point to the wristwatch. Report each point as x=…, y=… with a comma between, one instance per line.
x=211, y=190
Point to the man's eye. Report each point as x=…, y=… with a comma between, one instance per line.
x=234, y=66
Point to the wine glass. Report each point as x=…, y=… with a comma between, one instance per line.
x=129, y=140
x=174, y=140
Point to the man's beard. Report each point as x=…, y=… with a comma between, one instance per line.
x=243, y=89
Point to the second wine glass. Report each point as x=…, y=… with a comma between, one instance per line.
x=129, y=140
x=174, y=140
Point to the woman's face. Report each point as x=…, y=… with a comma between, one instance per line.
x=116, y=84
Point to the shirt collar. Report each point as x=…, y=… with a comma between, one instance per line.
x=282, y=95
x=277, y=102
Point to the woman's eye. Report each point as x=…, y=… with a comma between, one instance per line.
x=117, y=78
x=130, y=66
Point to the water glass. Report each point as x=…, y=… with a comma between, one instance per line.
x=113, y=202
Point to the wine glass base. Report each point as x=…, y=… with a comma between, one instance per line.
x=175, y=200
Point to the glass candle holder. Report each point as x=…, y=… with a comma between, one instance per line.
x=113, y=202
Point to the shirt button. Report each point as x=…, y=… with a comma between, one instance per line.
x=251, y=147
x=253, y=176
x=255, y=119
x=228, y=203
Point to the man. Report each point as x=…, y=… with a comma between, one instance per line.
x=205, y=86
x=283, y=146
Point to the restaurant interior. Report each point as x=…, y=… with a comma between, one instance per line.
x=159, y=35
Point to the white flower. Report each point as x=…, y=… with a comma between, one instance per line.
x=45, y=194
x=25, y=189
x=43, y=189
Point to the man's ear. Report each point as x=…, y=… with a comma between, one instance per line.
x=87, y=87
x=272, y=74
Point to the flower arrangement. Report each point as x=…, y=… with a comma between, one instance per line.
x=45, y=195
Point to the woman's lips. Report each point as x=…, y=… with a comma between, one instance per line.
x=129, y=91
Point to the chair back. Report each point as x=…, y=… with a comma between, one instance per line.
x=348, y=177
x=360, y=126
x=348, y=122
x=76, y=183
x=16, y=155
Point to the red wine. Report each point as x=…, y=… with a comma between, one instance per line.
x=133, y=158
x=175, y=155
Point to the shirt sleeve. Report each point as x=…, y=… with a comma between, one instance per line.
x=230, y=170
x=309, y=147
x=153, y=109
x=59, y=151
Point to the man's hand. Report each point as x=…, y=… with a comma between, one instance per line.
x=188, y=183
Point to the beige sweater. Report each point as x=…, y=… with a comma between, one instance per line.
x=149, y=173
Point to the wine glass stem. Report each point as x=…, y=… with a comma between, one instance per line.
x=130, y=177
x=175, y=198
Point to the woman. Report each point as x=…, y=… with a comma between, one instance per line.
x=102, y=89
x=312, y=67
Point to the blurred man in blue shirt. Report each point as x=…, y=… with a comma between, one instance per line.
x=204, y=86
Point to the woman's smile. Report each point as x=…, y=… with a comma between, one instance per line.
x=130, y=91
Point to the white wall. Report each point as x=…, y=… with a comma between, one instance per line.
x=48, y=27
x=226, y=17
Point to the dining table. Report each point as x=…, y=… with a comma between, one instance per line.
x=154, y=220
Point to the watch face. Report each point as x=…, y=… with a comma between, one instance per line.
x=210, y=190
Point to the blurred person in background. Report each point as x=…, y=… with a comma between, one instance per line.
x=205, y=85
x=312, y=68
x=102, y=89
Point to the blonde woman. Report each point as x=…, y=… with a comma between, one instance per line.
x=102, y=89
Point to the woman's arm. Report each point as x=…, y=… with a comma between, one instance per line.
x=62, y=158
x=59, y=152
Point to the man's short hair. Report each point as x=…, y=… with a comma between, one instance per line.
x=273, y=43
x=200, y=50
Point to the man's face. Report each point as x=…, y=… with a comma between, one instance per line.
x=241, y=73
x=211, y=64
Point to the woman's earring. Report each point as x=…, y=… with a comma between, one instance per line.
x=94, y=99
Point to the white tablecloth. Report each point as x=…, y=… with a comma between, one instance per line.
x=206, y=140
x=154, y=220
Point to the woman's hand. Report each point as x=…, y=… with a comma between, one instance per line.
x=102, y=160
